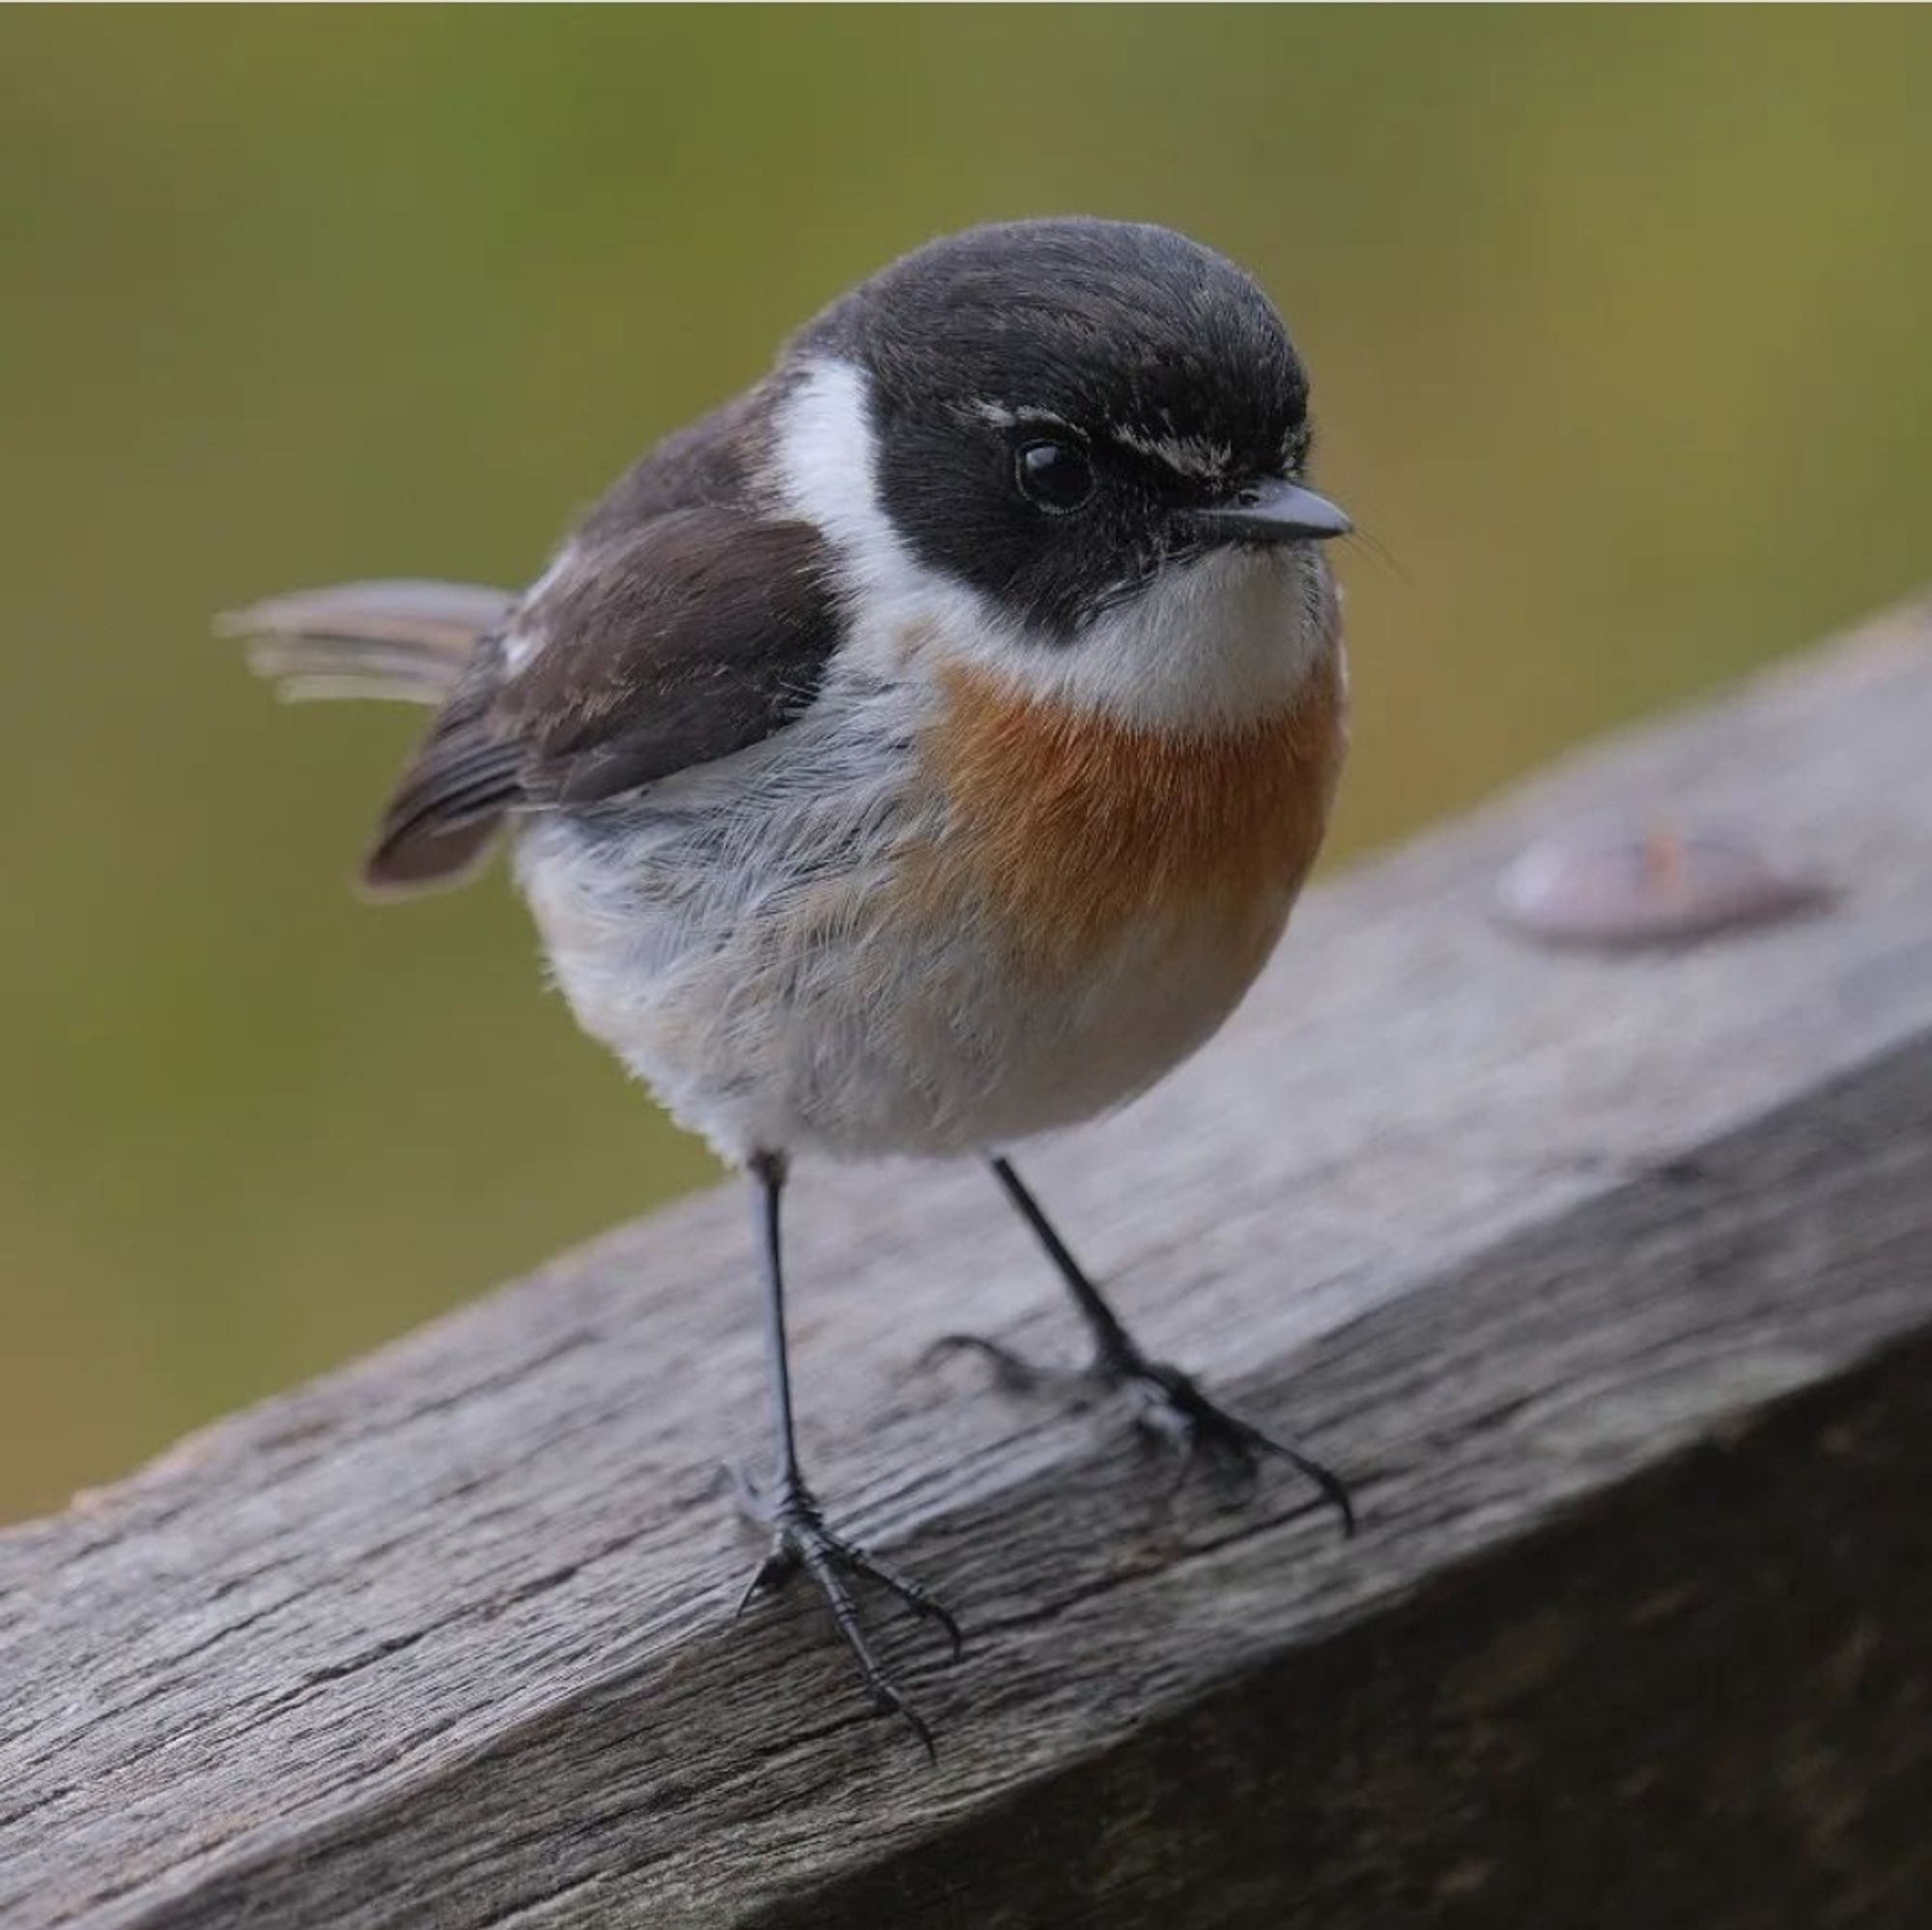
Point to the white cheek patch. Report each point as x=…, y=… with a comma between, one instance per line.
x=826, y=472
x=1211, y=642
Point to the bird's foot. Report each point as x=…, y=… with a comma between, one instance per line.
x=1168, y=1406
x=801, y=1541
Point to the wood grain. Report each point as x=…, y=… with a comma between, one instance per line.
x=1608, y=1280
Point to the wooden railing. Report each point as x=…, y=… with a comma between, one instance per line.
x=1608, y=1279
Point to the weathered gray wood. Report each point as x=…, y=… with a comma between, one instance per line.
x=1608, y=1280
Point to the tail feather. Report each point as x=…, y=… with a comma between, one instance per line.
x=413, y=643
x=407, y=641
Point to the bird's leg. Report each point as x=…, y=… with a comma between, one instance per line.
x=800, y=1540
x=1168, y=1404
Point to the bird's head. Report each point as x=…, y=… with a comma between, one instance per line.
x=1096, y=429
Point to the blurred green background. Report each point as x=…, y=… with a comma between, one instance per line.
x=1621, y=326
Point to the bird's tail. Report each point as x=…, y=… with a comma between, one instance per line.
x=407, y=642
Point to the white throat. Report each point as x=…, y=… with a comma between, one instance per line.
x=1212, y=643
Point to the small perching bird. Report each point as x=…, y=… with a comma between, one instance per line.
x=921, y=753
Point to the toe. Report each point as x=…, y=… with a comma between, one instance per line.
x=802, y=1540
x=926, y=1606
x=1326, y=1482
x=915, y=1594
x=771, y=1572
x=1173, y=1409
x=1010, y=1369
x=891, y=1703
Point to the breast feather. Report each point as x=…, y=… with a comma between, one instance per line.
x=1067, y=828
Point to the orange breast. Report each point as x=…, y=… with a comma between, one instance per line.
x=1072, y=829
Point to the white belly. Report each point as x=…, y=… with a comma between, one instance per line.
x=741, y=936
x=739, y=943
x=803, y=1016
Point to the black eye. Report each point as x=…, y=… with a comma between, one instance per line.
x=1057, y=476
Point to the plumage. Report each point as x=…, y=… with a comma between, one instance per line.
x=1076, y=827
x=407, y=640
x=667, y=644
x=919, y=753
x=670, y=644
x=861, y=808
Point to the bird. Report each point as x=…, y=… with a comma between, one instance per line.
x=919, y=753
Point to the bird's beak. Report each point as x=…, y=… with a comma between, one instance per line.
x=1272, y=512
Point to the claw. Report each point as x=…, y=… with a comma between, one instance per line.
x=913, y=1594
x=1170, y=1408
x=1176, y=1407
x=769, y=1573
x=801, y=1539
x=890, y=1702
x=1332, y=1488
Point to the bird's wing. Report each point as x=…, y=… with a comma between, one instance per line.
x=653, y=649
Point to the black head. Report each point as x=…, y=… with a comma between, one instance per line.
x=1062, y=407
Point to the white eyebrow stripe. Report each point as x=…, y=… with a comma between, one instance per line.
x=1199, y=458
x=1005, y=416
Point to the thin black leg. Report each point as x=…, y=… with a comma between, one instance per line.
x=1111, y=1339
x=1168, y=1404
x=768, y=1175
x=800, y=1538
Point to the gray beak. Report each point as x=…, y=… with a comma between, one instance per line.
x=1272, y=512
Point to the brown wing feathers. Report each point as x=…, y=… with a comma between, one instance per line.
x=691, y=638
x=443, y=817
x=651, y=650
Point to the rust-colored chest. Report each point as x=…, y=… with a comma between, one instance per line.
x=1073, y=830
